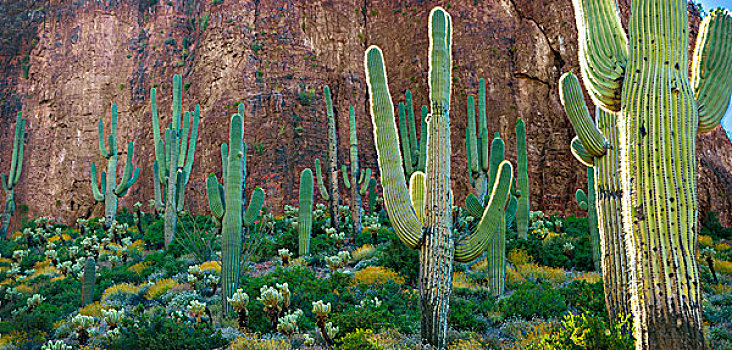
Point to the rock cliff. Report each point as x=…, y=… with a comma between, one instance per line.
x=65, y=62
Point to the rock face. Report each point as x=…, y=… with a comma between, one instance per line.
x=67, y=61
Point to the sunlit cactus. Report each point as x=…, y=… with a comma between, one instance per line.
x=287, y=324
x=321, y=311
x=81, y=325
x=643, y=77
x=305, y=215
x=112, y=317
x=239, y=302
x=522, y=180
x=272, y=300
x=174, y=154
x=431, y=232
x=105, y=189
x=9, y=182
x=56, y=345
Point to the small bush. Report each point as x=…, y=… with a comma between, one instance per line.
x=534, y=300
x=400, y=258
x=359, y=340
x=158, y=332
x=580, y=332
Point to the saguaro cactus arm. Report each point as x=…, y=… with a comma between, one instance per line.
x=472, y=246
x=579, y=152
x=98, y=195
x=215, y=194
x=16, y=162
x=127, y=178
x=574, y=105
x=321, y=185
x=603, y=50
x=255, y=206
x=417, y=193
x=711, y=70
x=396, y=194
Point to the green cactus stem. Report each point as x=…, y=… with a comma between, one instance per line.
x=588, y=204
x=227, y=207
x=87, y=281
x=431, y=234
x=173, y=157
x=522, y=180
x=108, y=191
x=305, y=216
x=9, y=182
x=644, y=76
x=334, y=199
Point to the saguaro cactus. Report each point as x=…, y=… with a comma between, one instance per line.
x=330, y=196
x=227, y=207
x=173, y=157
x=522, y=180
x=305, y=214
x=87, y=281
x=428, y=226
x=9, y=182
x=358, y=183
x=587, y=202
x=412, y=149
x=603, y=155
x=644, y=76
x=108, y=190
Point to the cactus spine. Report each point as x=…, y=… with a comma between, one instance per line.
x=9, y=182
x=227, y=207
x=305, y=217
x=432, y=233
x=587, y=202
x=87, y=281
x=108, y=190
x=644, y=76
x=522, y=179
x=173, y=157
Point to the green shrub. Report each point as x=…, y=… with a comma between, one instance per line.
x=580, y=332
x=396, y=310
x=359, y=340
x=158, y=332
x=583, y=296
x=533, y=300
x=472, y=310
x=400, y=258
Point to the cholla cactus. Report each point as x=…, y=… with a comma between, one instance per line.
x=239, y=302
x=284, y=290
x=334, y=262
x=55, y=345
x=375, y=303
x=330, y=330
x=35, y=301
x=197, y=308
x=287, y=324
x=112, y=317
x=345, y=256
x=309, y=341
x=285, y=256
x=272, y=300
x=321, y=311
x=81, y=325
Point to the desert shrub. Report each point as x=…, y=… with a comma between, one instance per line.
x=360, y=339
x=289, y=239
x=400, y=258
x=712, y=227
x=166, y=262
x=534, y=300
x=588, y=297
x=252, y=342
x=377, y=275
x=585, y=331
x=394, y=309
x=472, y=310
x=158, y=332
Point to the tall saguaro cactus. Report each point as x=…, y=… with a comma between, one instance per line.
x=602, y=154
x=644, y=76
x=358, y=183
x=522, y=180
x=173, y=157
x=9, y=182
x=107, y=190
x=332, y=195
x=228, y=208
x=422, y=213
x=412, y=149
x=305, y=214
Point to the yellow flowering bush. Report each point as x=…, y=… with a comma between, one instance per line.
x=120, y=288
x=253, y=342
x=377, y=275
x=160, y=287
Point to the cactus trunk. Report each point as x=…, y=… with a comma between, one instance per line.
x=333, y=202
x=355, y=195
x=8, y=183
x=232, y=220
x=87, y=282
x=522, y=179
x=305, y=217
x=171, y=214
x=592, y=222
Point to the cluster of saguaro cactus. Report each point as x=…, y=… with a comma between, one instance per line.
x=305, y=214
x=587, y=201
x=330, y=196
x=173, y=157
x=415, y=157
x=522, y=180
x=227, y=206
x=87, y=281
x=9, y=182
x=422, y=213
x=643, y=77
x=360, y=178
x=496, y=250
x=106, y=189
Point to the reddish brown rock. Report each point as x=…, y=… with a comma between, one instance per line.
x=275, y=57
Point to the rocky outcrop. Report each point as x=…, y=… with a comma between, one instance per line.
x=275, y=57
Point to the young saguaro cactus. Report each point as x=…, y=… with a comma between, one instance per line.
x=305, y=214
x=522, y=180
x=173, y=157
x=87, y=281
x=356, y=179
x=107, y=190
x=9, y=182
x=644, y=76
x=422, y=213
x=587, y=202
x=412, y=149
x=227, y=207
